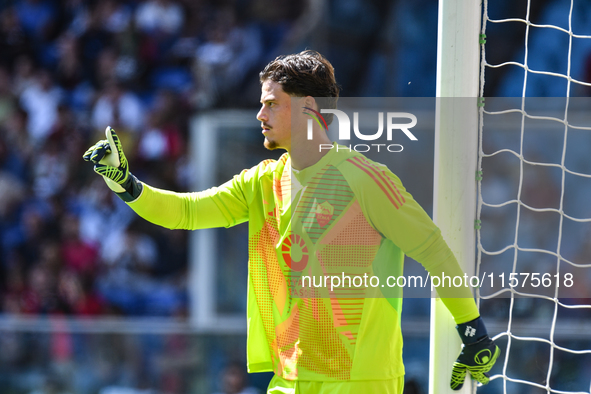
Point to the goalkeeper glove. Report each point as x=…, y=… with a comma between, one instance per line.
x=478, y=354
x=110, y=162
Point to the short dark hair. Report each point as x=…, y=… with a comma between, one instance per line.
x=307, y=73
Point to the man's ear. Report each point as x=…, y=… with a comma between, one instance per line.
x=310, y=102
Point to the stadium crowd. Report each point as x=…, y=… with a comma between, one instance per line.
x=68, y=69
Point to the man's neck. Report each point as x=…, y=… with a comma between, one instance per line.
x=308, y=152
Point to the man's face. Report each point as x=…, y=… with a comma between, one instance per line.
x=275, y=116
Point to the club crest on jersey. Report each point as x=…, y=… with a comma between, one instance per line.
x=324, y=213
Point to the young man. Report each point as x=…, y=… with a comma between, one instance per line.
x=327, y=211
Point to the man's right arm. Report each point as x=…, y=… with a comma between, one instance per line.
x=222, y=206
x=215, y=207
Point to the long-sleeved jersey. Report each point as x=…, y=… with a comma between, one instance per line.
x=344, y=216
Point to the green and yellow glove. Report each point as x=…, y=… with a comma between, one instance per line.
x=478, y=354
x=110, y=162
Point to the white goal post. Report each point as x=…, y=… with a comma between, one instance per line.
x=517, y=142
x=456, y=147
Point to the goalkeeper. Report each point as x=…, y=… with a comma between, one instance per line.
x=315, y=210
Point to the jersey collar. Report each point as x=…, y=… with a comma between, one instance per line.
x=304, y=176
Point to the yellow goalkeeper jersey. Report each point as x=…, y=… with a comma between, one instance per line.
x=345, y=216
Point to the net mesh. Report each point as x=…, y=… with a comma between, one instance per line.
x=534, y=188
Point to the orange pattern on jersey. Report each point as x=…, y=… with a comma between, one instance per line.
x=381, y=179
x=282, y=185
x=287, y=347
x=269, y=284
x=339, y=254
x=352, y=229
x=350, y=311
x=309, y=340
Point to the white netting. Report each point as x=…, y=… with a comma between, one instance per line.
x=534, y=204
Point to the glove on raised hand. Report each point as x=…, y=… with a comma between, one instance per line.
x=110, y=162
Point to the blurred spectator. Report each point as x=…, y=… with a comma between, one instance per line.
x=106, y=65
x=159, y=24
x=15, y=283
x=78, y=256
x=111, y=65
x=26, y=235
x=78, y=294
x=93, y=39
x=13, y=40
x=116, y=16
x=101, y=210
x=75, y=16
x=24, y=74
x=159, y=17
x=155, y=143
x=16, y=136
x=212, y=61
x=41, y=100
x=7, y=99
x=69, y=70
x=51, y=169
x=12, y=191
x=40, y=296
x=12, y=168
x=118, y=108
x=127, y=279
x=229, y=52
x=72, y=76
x=37, y=18
x=161, y=139
x=129, y=258
x=247, y=47
x=130, y=253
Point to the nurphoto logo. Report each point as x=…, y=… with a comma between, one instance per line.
x=393, y=122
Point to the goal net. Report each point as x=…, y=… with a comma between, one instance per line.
x=533, y=217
